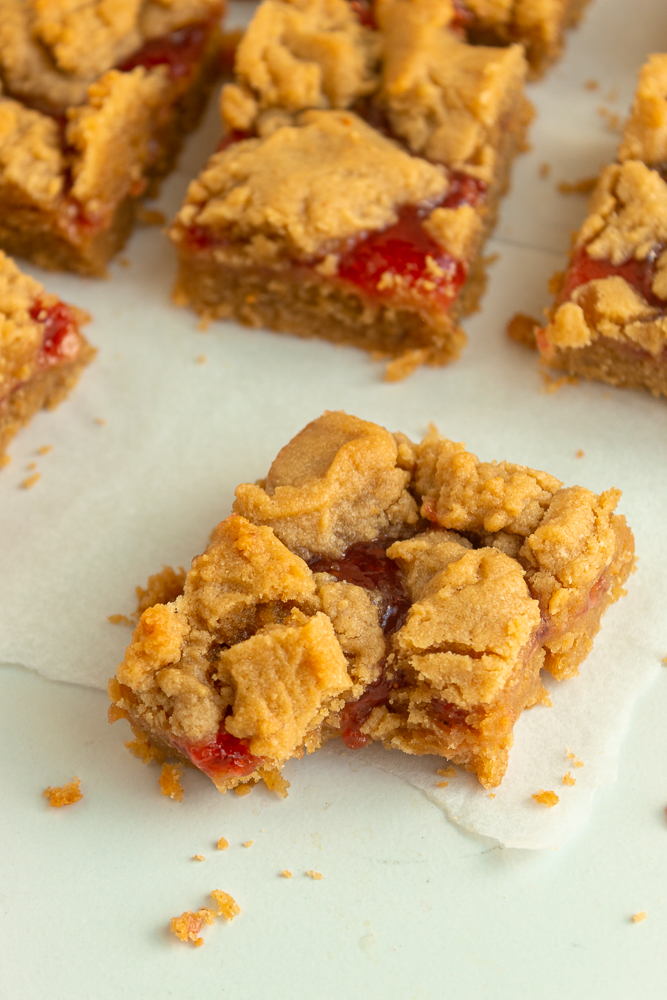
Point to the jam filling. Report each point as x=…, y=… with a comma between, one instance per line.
x=364, y=11
x=367, y=565
x=638, y=273
x=179, y=51
x=61, y=333
x=225, y=756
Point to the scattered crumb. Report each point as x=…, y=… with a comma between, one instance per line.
x=100, y=421
x=4, y=461
x=611, y=119
x=188, y=925
x=575, y=761
x=638, y=917
x=243, y=789
x=161, y=588
x=447, y=772
x=315, y=875
x=544, y=169
x=45, y=449
x=170, y=781
x=227, y=906
x=545, y=798
x=120, y=620
x=405, y=365
x=149, y=216
x=568, y=779
x=28, y=483
x=248, y=843
x=31, y=466
x=198, y=857
x=521, y=328
x=580, y=453
x=204, y=323
x=222, y=844
x=591, y=85
x=141, y=748
x=123, y=261
x=286, y=873
x=555, y=384
x=441, y=784
x=114, y=713
x=201, y=359
x=583, y=186
x=664, y=660
x=491, y=795
x=64, y=795
x=275, y=782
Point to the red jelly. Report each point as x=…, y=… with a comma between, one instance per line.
x=225, y=755
x=61, y=340
x=448, y=713
x=178, y=51
x=364, y=11
x=368, y=566
x=638, y=273
x=464, y=190
x=355, y=714
x=394, y=263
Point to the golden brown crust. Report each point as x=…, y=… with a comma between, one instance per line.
x=265, y=649
x=645, y=135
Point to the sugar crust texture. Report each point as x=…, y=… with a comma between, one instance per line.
x=611, y=327
x=500, y=571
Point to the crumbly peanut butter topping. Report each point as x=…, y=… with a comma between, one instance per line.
x=645, y=136
x=307, y=187
x=441, y=95
x=31, y=158
x=299, y=54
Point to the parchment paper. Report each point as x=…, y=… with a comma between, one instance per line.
x=148, y=450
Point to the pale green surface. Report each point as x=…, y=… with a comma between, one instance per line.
x=409, y=907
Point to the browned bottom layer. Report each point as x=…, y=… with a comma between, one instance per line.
x=46, y=390
x=609, y=361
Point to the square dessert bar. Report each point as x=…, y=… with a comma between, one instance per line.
x=377, y=590
x=94, y=101
x=609, y=320
x=365, y=156
x=539, y=24
x=42, y=350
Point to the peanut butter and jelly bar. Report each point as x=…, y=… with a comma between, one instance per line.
x=377, y=590
x=42, y=350
x=609, y=320
x=94, y=100
x=359, y=177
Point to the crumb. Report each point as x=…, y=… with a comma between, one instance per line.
x=638, y=917
x=100, y=421
x=198, y=857
x=441, y=784
x=591, y=85
x=120, y=620
x=161, y=588
x=555, y=384
x=170, y=781
x=248, y=843
x=222, y=844
x=28, y=483
x=571, y=756
x=275, y=782
x=286, y=873
x=227, y=906
x=64, y=795
x=4, y=461
x=544, y=169
x=204, y=323
x=568, y=779
x=243, y=789
x=545, y=798
x=583, y=186
x=201, y=359
x=580, y=453
x=123, y=261
x=491, y=795
x=611, y=119
x=447, y=772
x=114, y=713
x=31, y=466
x=45, y=449
x=405, y=365
x=314, y=875
x=149, y=216
x=521, y=328
x=141, y=748
x=188, y=925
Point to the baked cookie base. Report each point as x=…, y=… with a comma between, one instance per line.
x=606, y=360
